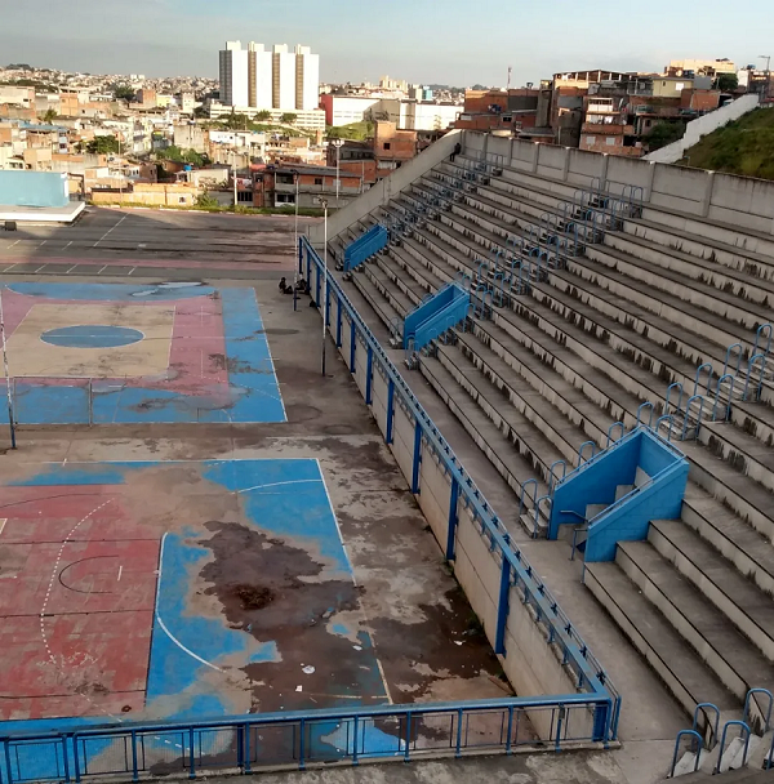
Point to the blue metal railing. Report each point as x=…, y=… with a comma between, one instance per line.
x=745, y=730
x=296, y=738
x=699, y=743
x=558, y=628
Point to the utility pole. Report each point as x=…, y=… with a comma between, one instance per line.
x=11, y=422
x=324, y=305
x=296, y=178
x=337, y=143
x=234, y=177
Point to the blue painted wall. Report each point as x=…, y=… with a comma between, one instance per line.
x=33, y=189
x=661, y=500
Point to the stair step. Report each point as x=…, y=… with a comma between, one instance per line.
x=676, y=663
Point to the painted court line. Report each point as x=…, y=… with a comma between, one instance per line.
x=109, y=230
x=163, y=625
x=3, y=521
x=280, y=484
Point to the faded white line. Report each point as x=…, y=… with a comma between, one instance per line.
x=163, y=625
x=12, y=244
x=120, y=572
x=3, y=521
x=278, y=484
x=109, y=230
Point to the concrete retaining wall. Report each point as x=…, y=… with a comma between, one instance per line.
x=391, y=186
x=701, y=126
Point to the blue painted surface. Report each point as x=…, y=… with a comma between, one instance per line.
x=254, y=394
x=661, y=500
x=286, y=499
x=438, y=313
x=33, y=189
x=365, y=246
x=96, y=336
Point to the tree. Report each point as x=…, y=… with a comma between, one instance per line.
x=236, y=122
x=727, y=82
x=262, y=116
x=103, y=145
x=207, y=202
x=664, y=133
x=50, y=116
x=122, y=92
x=288, y=118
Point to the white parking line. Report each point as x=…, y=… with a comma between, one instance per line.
x=68, y=245
x=3, y=521
x=109, y=230
x=71, y=269
x=39, y=268
x=130, y=271
x=99, y=272
x=12, y=244
x=120, y=570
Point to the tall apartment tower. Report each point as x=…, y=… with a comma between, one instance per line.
x=307, y=79
x=234, y=74
x=259, y=76
x=278, y=79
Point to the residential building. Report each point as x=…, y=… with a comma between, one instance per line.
x=234, y=75
x=308, y=120
x=709, y=68
x=307, y=79
x=259, y=76
x=278, y=186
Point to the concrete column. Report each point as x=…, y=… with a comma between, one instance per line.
x=512, y=153
x=603, y=173
x=486, y=145
x=536, y=156
x=566, y=164
x=651, y=177
x=707, y=200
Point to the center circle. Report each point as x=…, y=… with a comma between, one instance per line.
x=92, y=336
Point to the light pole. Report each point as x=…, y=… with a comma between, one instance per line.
x=337, y=143
x=324, y=203
x=298, y=272
x=11, y=422
x=767, y=73
x=234, y=177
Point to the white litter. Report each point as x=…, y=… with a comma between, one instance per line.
x=458, y=642
x=308, y=669
x=299, y=688
x=358, y=647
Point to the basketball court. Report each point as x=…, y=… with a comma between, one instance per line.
x=120, y=353
x=122, y=601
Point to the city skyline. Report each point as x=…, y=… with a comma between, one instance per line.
x=422, y=41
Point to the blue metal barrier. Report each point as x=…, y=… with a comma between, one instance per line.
x=365, y=246
x=435, y=314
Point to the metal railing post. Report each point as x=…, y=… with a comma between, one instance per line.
x=503, y=605
x=417, y=457
x=191, y=755
x=390, y=400
x=369, y=394
x=301, y=739
x=246, y=748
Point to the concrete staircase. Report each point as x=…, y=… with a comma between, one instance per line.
x=595, y=339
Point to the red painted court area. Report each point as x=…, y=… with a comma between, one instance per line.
x=77, y=596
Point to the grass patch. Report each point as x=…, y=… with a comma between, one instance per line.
x=744, y=146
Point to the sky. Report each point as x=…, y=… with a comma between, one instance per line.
x=455, y=42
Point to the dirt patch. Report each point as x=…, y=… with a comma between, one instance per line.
x=253, y=597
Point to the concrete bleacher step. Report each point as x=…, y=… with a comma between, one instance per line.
x=401, y=303
x=514, y=467
x=683, y=671
x=427, y=280
x=383, y=309
x=749, y=608
x=712, y=272
x=561, y=412
x=739, y=542
x=755, y=418
x=738, y=665
x=540, y=452
x=732, y=317
x=407, y=285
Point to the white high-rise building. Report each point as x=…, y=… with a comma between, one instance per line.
x=283, y=78
x=307, y=78
x=259, y=76
x=279, y=79
x=234, y=75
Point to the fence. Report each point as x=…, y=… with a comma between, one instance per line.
x=246, y=744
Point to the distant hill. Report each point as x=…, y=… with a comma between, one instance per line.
x=744, y=146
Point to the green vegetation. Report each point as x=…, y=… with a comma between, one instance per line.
x=101, y=145
x=262, y=116
x=744, y=146
x=664, y=133
x=50, y=116
x=288, y=118
x=179, y=155
x=207, y=202
x=727, y=82
x=354, y=132
x=122, y=92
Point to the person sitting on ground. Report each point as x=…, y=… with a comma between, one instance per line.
x=283, y=285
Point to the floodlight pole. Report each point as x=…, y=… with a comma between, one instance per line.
x=296, y=177
x=11, y=422
x=324, y=203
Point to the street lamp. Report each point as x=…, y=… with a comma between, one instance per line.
x=767, y=72
x=324, y=203
x=234, y=177
x=337, y=143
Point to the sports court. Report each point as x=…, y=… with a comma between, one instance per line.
x=121, y=353
x=120, y=600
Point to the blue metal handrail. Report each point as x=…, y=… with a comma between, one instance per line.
x=647, y=405
x=611, y=429
x=707, y=365
x=671, y=421
x=715, y=726
x=582, y=449
x=699, y=745
x=700, y=399
x=730, y=378
x=768, y=331
x=746, y=712
x=751, y=365
x=679, y=387
x=745, y=729
x=561, y=630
